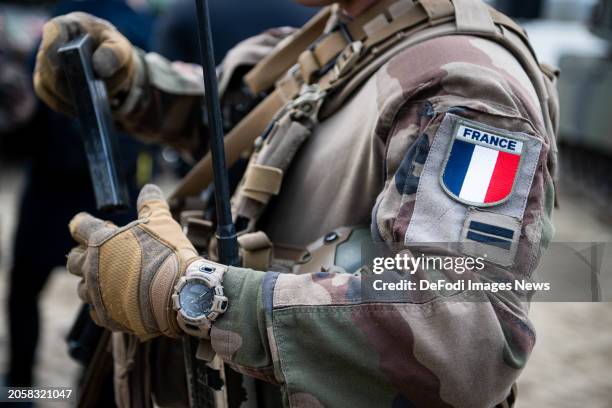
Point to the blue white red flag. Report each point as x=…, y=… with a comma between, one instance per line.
x=481, y=166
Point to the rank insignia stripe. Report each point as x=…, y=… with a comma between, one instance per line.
x=490, y=234
x=482, y=165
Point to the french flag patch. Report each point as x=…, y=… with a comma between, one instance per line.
x=481, y=166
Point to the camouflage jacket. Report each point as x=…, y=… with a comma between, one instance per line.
x=380, y=161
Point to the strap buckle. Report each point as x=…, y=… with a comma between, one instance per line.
x=343, y=29
x=305, y=106
x=338, y=26
x=308, y=102
x=348, y=58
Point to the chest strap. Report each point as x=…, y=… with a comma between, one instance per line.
x=342, y=57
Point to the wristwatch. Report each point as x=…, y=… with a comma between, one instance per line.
x=198, y=297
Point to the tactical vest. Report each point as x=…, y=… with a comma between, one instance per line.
x=314, y=72
x=309, y=77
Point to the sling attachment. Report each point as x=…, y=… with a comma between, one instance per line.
x=198, y=230
x=347, y=59
x=274, y=152
x=256, y=250
x=262, y=182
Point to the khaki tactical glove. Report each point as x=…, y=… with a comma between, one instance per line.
x=113, y=58
x=129, y=273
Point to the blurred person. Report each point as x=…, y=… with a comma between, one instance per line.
x=17, y=100
x=58, y=184
x=396, y=140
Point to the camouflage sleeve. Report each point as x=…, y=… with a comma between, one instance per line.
x=325, y=340
x=163, y=104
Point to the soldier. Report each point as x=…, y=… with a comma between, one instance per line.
x=409, y=122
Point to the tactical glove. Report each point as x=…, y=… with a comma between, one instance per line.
x=129, y=273
x=114, y=59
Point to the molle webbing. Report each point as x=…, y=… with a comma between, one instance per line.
x=341, y=58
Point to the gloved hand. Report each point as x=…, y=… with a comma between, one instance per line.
x=129, y=273
x=113, y=58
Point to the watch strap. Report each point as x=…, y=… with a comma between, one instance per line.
x=202, y=331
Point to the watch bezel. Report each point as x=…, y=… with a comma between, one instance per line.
x=219, y=300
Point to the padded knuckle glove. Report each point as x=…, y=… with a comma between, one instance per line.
x=114, y=59
x=128, y=274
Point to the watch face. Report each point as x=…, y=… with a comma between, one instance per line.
x=196, y=299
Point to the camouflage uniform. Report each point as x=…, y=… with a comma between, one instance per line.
x=376, y=162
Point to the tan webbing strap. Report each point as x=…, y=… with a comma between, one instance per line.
x=309, y=64
x=506, y=21
x=239, y=140
x=403, y=17
x=400, y=8
x=262, y=182
x=256, y=250
x=375, y=25
x=263, y=76
x=289, y=85
x=473, y=16
x=436, y=9
x=379, y=23
x=329, y=47
x=405, y=21
x=198, y=230
x=315, y=58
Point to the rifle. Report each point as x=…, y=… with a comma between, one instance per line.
x=207, y=382
x=87, y=342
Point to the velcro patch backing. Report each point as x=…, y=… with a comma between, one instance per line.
x=491, y=235
x=440, y=217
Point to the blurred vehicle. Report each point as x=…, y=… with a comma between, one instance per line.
x=576, y=37
x=19, y=29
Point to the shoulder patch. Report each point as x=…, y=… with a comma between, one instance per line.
x=438, y=203
x=481, y=165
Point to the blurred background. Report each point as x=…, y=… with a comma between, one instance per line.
x=42, y=161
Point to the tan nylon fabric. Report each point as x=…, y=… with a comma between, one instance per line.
x=265, y=74
x=122, y=253
x=473, y=15
x=239, y=140
x=121, y=381
x=277, y=152
x=262, y=182
x=256, y=250
x=436, y=9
